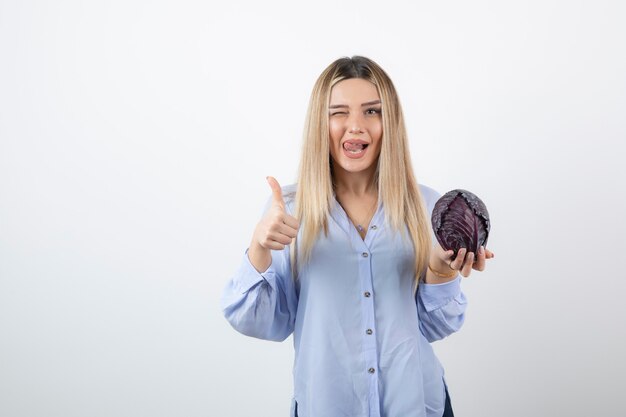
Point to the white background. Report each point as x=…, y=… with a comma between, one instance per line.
x=135, y=137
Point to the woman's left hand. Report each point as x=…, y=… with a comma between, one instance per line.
x=464, y=261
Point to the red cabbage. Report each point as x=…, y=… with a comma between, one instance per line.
x=460, y=220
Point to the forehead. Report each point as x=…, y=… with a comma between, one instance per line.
x=353, y=91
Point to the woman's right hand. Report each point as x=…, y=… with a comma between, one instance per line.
x=275, y=230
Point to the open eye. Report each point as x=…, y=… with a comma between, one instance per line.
x=372, y=111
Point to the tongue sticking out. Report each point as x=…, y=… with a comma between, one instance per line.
x=353, y=147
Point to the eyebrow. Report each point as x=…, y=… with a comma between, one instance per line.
x=369, y=103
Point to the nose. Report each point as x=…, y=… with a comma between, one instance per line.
x=355, y=123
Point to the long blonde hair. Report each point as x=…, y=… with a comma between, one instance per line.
x=397, y=186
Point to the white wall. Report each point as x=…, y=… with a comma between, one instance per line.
x=135, y=137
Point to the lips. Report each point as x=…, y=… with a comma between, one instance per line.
x=354, y=145
x=354, y=148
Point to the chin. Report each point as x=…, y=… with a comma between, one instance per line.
x=355, y=167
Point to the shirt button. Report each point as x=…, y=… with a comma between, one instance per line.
x=367, y=293
x=374, y=227
x=368, y=331
x=371, y=370
x=364, y=254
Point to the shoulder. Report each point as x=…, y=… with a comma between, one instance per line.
x=289, y=191
x=289, y=195
x=430, y=196
x=428, y=192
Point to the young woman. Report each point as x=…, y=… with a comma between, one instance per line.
x=344, y=260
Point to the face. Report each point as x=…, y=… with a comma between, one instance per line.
x=355, y=125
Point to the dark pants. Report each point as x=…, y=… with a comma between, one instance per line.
x=447, y=411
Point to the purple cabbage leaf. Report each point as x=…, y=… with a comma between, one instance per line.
x=460, y=220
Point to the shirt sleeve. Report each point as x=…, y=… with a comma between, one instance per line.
x=440, y=308
x=262, y=304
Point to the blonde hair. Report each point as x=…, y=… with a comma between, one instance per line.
x=396, y=183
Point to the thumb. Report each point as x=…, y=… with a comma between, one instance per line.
x=277, y=194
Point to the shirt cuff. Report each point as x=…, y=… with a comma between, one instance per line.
x=435, y=296
x=247, y=276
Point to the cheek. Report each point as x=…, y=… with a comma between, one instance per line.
x=335, y=131
x=376, y=130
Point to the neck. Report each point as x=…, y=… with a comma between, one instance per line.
x=355, y=183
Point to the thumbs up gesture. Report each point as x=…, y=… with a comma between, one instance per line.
x=277, y=228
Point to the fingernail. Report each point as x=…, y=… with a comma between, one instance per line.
x=481, y=250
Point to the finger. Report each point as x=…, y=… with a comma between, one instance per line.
x=287, y=230
x=291, y=221
x=467, y=266
x=278, y=237
x=277, y=194
x=458, y=261
x=270, y=244
x=441, y=257
x=479, y=263
x=489, y=254
x=441, y=253
x=448, y=258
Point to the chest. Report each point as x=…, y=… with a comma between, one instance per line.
x=359, y=211
x=342, y=265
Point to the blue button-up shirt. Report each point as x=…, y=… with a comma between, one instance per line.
x=361, y=337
